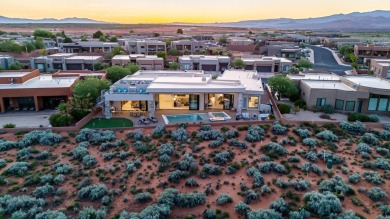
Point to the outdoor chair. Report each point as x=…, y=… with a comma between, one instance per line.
x=238, y=116
x=143, y=121
x=153, y=119
x=246, y=116
x=254, y=116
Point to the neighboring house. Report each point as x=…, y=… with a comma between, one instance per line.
x=87, y=47
x=203, y=37
x=267, y=64
x=188, y=45
x=183, y=90
x=146, y=47
x=81, y=62
x=205, y=63
x=339, y=42
x=350, y=93
x=6, y=61
x=32, y=91
x=64, y=61
x=240, y=44
x=147, y=62
x=381, y=67
x=49, y=43
x=366, y=53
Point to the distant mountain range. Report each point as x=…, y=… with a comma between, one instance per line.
x=73, y=20
x=357, y=20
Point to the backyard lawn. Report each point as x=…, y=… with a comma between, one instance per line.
x=109, y=123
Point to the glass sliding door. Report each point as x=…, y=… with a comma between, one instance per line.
x=194, y=102
x=228, y=101
x=143, y=105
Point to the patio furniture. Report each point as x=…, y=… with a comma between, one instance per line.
x=32, y=109
x=238, y=116
x=263, y=116
x=118, y=90
x=254, y=116
x=245, y=116
x=217, y=119
x=143, y=121
x=153, y=119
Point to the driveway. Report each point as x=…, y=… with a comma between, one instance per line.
x=26, y=119
x=324, y=60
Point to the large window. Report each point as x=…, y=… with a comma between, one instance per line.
x=186, y=67
x=382, y=106
x=339, y=105
x=253, y=102
x=388, y=73
x=373, y=103
x=321, y=102
x=350, y=106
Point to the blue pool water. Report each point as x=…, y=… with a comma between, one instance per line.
x=183, y=118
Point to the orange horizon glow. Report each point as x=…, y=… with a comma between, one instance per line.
x=168, y=11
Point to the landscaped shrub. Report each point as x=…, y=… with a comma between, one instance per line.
x=93, y=192
x=384, y=134
x=336, y=159
x=23, y=154
x=284, y=108
x=3, y=163
x=62, y=168
x=50, y=214
x=95, y=136
x=223, y=157
x=354, y=178
x=190, y=200
x=46, y=137
x=300, y=185
x=355, y=128
x=376, y=194
x=90, y=212
x=362, y=118
x=157, y=211
x=43, y=155
x=89, y=161
x=224, y=199
x=191, y=183
x=328, y=109
x=264, y=214
x=348, y=215
x=327, y=136
x=311, y=156
x=44, y=191
x=382, y=151
x=10, y=204
x=310, y=142
x=176, y=175
x=210, y=214
x=167, y=149
x=300, y=103
x=335, y=185
x=59, y=179
x=363, y=148
x=187, y=163
x=323, y=205
x=370, y=139
x=131, y=167
x=280, y=206
x=107, y=145
x=373, y=177
x=143, y=197
x=303, y=133
x=180, y=134
x=272, y=166
x=236, y=143
x=242, y=208
x=158, y=131
x=274, y=150
x=211, y=169
x=164, y=158
x=143, y=148
x=232, y=134
x=79, y=152
x=216, y=143
x=307, y=166
x=382, y=163
x=385, y=210
x=294, y=159
x=211, y=134
x=7, y=145
x=18, y=168
x=301, y=214
x=60, y=120
x=254, y=134
x=278, y=129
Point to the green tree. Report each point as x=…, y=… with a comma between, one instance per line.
x=43, y=52
x=38, y=43
x=83, y=38
x=180, y=31
x=114, y=39
x=133, y=67
x=168, y=42
x=90, y=88
x=281, y=85
x=103, y=38
x=173, y=66
x=303, y=63
x=187, y=52
x=174, y=52
x=162, y=54
x=345, y=50
x=67, y=40
x=116, y=73
x=2, y=32
x=15, y=66
x=43, y=34
x=294, y=70
x=118, y=50
x=223, y=39
x=97, y=34
x=351, y=58
x=100, y=66
x=238, y=63
x=29, y=46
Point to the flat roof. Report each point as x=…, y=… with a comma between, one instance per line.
x=85, y=57
x=314, y=76
x=43, y=81
x=249, y=79
x=62, y=54
x=369, y=81
x=12, y=74
x=265, y=58
x=334, y=85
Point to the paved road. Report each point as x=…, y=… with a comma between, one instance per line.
x=324, y=60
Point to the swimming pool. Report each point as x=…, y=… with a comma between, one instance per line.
x=183, y=118
x=219, y=114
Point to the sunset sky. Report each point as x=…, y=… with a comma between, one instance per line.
x=197, y=11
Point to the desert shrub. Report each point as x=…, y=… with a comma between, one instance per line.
x=11, y=204
x=387, y=126
x=164, y=158
x=48, y=178
x=3, y=163
x=354, y=178
x=43, y=155
x=62, y=168
x=250, y=195
x=211, y=169
x=216, y=143
x=143, y=197
x=336, y=159
x=382, y=163
x=7, y=145
x=303, y=133
x=324, y=205
x=301, y=214
x=156, y=211
x=328, y=109
x=107, y=145
x=205, y=128
x=376, y=194
x=265, y=190
x=307, y=166
x=168, y=197
x=93, y=192
x=280, y=206
x=23, y=154
x=272, y=166
x=176, y=175
x=282, y=184
x=348, y=215
x=373, y=177
x=258, y=179
x=242, y=208
x=187, y=163
x=180, y=134
x=254, y=134
x=278, y=129
x=232, y=134
x=236, y=143
x=327, y=136
x=311, y=156
x=363, y=147
x=384, y=134
x=355, y=128
x=310, y=142
x=95, y=136
x=50, y=214
x=89, y=161
x=223, y=157
x=18, y=168
x=382, y=151
x=44, y=191
x=84, y=183
x=224, y=199
x=59, y=179
x=264, y=214
x=90, y=212
x=79, y=152
x=131, y=167
x=284, y=108
x=294, y=159
x=167, y=149
x=108, y=156
x=370, y=139
x=274, y=150
x=385, y=210
x=210, y=214
x=335, y=185
x=158, y=131
x=300, y=185
x=190, y=200
x=46, y=137
x=191, y=183
x=211, y=134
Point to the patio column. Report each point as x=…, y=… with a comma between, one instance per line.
x=36, y=103
x=259, y=103
x=239, y=106
x=107, y=108
x=2, y=108
x=201, y=102
x=151, y=108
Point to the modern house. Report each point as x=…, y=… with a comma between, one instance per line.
x=366, y=53
x=183, y=90
x=145, y=47
x=87, y=47
x=6, y=61
x=188, y=45
x=205, y=63
x=147, y=62
x=31, y=91
x=381, y=67
x=350, y=93
x=64, y=61
x=267, y=64
x=240, y=44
